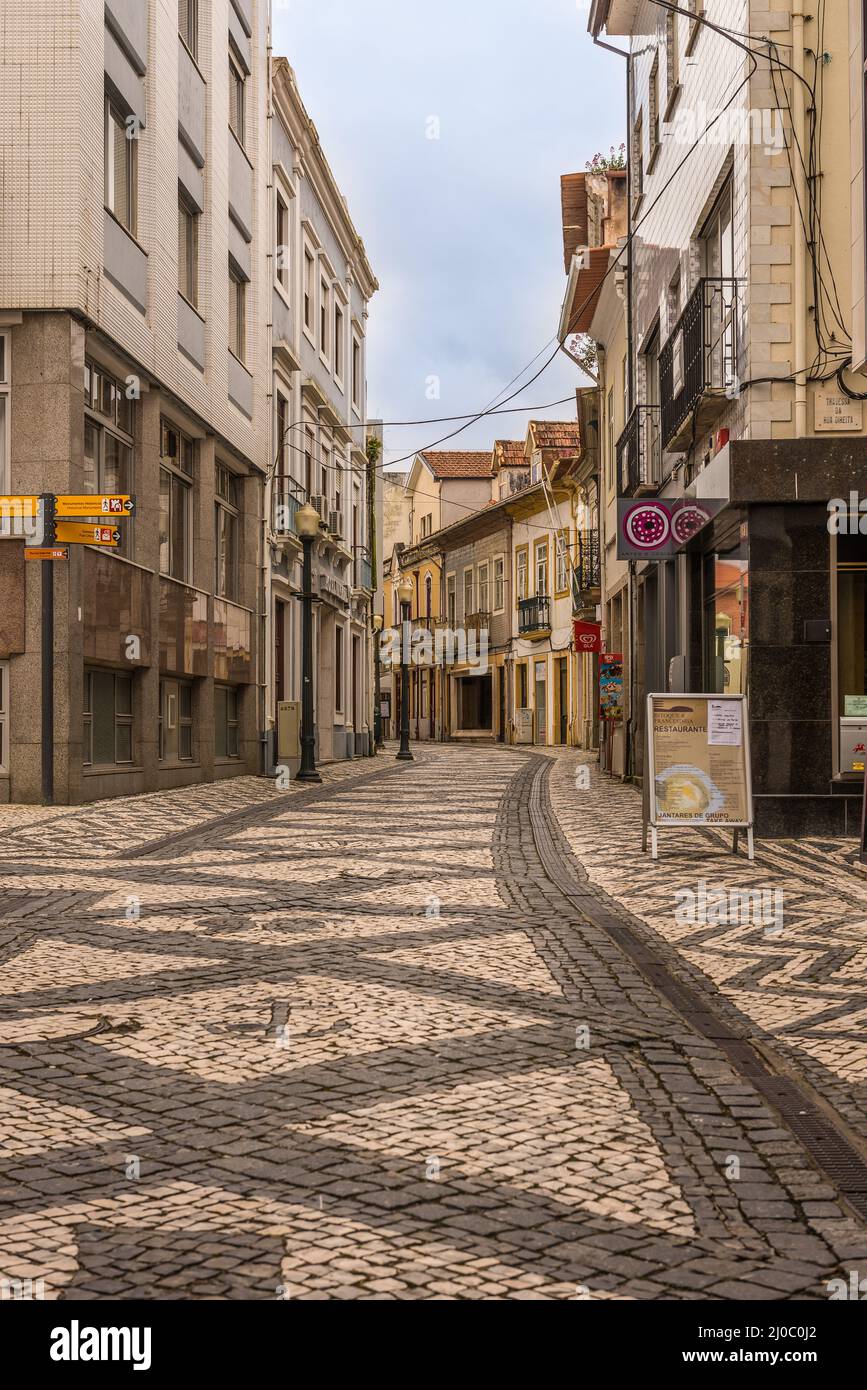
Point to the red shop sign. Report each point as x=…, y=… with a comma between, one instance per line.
x=588, y=637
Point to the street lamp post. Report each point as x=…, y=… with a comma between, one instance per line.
x=378, y=741
x=307, y=526
x=404, y=594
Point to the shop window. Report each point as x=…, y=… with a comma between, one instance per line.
x=726, y=623
x=852, y=624
x=176, y=509
x=108, y=719
x=108, y=443
x=227, y=709
x=226, y=524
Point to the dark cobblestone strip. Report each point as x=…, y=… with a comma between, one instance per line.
x=799, y=1108
x=247, y=816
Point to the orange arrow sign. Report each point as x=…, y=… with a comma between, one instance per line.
x=78, y=533
x=37, y=553
x=119, y=508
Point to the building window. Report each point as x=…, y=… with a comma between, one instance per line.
x=324, y=317
x=672, y=58
x=428, y=595
x=188, y=24
x=176, y=504
x=563, y=562
x=237, y=99
x=499, y=584
x=281, y=250
x=485, y=588
x=176, y=721
x=468, y=593
x=5, y=480
x=451, y=600
x=120, y=166
x=523, y=693
x=237, y=314
x=339, y=345
x=309, y=270
x=227, y=709
x=227, y=527
x=356, y=373
x=108, y=443
x=108, y=719
x=4, y=716
x=541, y=566
x=338, y=668
x=521, y=574
x=609, y=431
x=309, y=444
x=696, y=8
x=653, y=113
x=188, y=252
x=638, y=159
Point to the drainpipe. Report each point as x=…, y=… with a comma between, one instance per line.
x=800, y=270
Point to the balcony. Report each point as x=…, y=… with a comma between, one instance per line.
x=698, y=366
x=289, y=497
x=362, y=569
x=534, y=616
x=477, y=622
x=639, y=453
x=587, y=575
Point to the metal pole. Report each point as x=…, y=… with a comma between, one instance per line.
x=48, y=682
x=379, y=741
x=404, y=754
x=307, y=771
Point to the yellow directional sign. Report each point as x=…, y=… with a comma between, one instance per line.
x=19, y=506
x=78, y=533
x=118, y=508
x=45, y=553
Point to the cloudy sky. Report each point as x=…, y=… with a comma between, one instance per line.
x=463, y=231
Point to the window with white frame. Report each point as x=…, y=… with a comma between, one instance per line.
x=521, y=575
x=469, y=589
x=356, y=372
x=281, y=248
x=309, y=290
x=499, y=584
x=120, y=165
x=541, y=562
x=5, y=480
x=451, y=600
x=4, y=716
x=324, y=317
x=339, y=339
x=563, y=565
x=485, y=587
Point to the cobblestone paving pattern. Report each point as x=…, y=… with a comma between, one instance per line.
x=357, y=1045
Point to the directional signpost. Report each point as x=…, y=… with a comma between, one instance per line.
x=60, y=522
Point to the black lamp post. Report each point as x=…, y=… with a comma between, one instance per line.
x=307, y=526
x=404, y=594
x=378, y=741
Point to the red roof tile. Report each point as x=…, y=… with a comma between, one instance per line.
x=458, y=464
x=509, y=453
x=557, y=434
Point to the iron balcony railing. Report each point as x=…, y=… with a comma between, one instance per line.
x=362, y=568
x=534, y=614
x=701, y=356
x=289, y=497
x=589, y=569
x=639, y=452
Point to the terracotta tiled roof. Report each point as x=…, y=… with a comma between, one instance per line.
x=458, y=465
x=556, y=434
x=509, y=453
x=587, y=289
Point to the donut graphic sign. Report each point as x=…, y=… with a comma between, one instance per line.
x=655, y=528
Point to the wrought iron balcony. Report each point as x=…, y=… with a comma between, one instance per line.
x=698, y=366
x=289, y=497
x=588, y=570
x=477, y=622
x=362, y=568
x=639, y=452
x=534, y=615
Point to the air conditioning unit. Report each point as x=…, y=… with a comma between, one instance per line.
x=320, y=505
x=335, y=524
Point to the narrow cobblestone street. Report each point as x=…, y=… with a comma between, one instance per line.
x=357, y=1042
